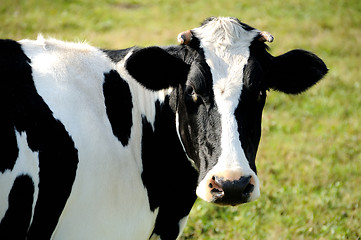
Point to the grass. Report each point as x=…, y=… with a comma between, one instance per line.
x=309, y=159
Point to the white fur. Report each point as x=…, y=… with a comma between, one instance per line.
x=108, y=199
x=226, y=48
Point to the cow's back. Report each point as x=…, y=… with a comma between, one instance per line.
x=65, y=172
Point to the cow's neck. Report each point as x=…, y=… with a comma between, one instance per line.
x=159, y=128
x=165, y=164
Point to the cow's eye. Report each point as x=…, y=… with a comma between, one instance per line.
x=191, y=93
x=189, y=90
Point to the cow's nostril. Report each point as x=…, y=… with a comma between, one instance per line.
x=214, y=185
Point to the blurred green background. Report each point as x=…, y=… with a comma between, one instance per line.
x=309, y=160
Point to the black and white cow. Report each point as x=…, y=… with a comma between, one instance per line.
x=100, y=144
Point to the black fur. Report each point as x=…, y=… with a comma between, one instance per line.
x=295, y=71
x=119, y=105
x=8, y=144
x=156, y=69
x=150, y=177
x=249, y=110
x=19, y=211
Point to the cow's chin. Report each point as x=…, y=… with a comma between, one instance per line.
x=243, y=190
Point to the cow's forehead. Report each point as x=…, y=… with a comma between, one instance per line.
x=225, y=42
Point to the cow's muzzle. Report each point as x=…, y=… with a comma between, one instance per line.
x=229, y=188
x=230, y=192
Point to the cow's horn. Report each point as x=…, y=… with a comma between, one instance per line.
x=185, y=38
x=265, y=37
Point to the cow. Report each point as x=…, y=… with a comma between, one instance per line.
x=118, y=144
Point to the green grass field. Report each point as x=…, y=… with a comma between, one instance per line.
x=309, y=160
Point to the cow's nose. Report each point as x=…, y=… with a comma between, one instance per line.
x=231, y=192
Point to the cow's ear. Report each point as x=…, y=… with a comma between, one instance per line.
x=295, y=71
x=156, y=69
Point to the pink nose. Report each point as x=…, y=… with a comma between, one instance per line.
x=231, y=192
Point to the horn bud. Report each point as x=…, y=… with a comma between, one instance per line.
x=185, y=38
x=265, y=37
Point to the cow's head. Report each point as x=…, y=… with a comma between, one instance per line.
x=220, y=74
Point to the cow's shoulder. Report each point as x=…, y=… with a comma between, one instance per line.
x=65, y=59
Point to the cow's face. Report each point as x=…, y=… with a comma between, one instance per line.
x=219, y=117
x=220, y=76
